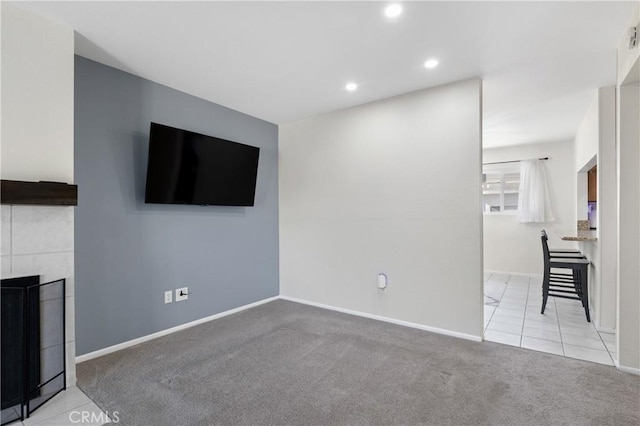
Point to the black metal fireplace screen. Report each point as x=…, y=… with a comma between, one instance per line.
x=33, y=345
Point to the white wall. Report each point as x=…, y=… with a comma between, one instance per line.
x=392, y=186
x=607, y=222
x=586, y=148
x=629, y=251
x=586, y=145
x=595, y=145
x=626, y=58
x=37, y=144
x=37, y=97
x=510, y=246
x=628, y=144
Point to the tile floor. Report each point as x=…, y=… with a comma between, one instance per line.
x=512, y=317
x=69, y=407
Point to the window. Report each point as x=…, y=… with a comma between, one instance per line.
x=500, y=188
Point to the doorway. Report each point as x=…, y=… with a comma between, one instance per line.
x=513, y=261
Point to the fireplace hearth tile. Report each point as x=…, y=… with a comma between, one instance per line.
x=50, y=266
x=5, y=230
x=70, y=318
x=5, y=267
x=71, y=363
x=41, y=229
x=68, y=400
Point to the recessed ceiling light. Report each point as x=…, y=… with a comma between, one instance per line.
x=393, y=10
x=351, y=87
x=431, y=63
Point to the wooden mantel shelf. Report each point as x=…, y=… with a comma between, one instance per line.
x=38, y=193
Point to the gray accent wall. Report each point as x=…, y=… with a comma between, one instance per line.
x=129, y=253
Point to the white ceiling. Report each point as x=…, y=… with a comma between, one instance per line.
x=284, y=61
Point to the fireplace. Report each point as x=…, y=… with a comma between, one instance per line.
x=33, y=344
x=37, y=230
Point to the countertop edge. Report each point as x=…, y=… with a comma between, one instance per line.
x=584, y=239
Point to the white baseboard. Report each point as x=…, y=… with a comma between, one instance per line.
x=386, y=319
x=598, y=326
x=629, y=370
x=602, y=329
x=137, y=341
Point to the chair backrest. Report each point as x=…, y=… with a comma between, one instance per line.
x=545, y=247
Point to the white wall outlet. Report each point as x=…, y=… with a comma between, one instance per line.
x=168, y=296
x=382, y=281
x=182, y=294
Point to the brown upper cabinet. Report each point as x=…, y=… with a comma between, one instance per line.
x=593, y=184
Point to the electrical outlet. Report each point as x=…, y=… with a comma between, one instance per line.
x=182, y=294
x=168, y=296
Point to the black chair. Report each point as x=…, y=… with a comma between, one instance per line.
x=567, y=286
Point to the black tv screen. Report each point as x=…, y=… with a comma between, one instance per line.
x=190, y=168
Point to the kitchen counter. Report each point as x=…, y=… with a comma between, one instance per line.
x=576, y=235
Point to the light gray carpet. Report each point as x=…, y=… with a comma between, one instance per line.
x=289, y=364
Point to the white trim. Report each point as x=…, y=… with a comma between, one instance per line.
x=593, y=316
x=137, y=341
x=607, y=330
x=599, y=328
x=629, y=370
x=386, y=319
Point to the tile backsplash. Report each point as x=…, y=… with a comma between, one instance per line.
x=39, y=240
x=583, y=225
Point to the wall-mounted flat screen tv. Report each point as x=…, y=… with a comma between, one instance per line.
x=190, y=168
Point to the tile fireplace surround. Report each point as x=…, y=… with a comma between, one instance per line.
x=38, y=240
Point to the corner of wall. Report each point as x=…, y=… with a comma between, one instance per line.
x=38, y=144
x=628, y=177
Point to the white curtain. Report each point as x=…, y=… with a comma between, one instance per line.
x=533, y=198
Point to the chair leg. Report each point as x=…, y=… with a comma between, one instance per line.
x=585, y=291
x=545, y=290
x=576, y=283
